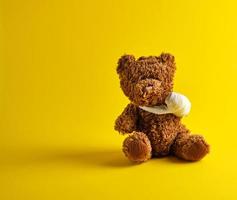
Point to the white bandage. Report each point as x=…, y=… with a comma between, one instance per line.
x=176, y=104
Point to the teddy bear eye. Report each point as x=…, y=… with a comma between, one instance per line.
x=150, y=77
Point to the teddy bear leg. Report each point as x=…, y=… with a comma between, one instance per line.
x=137, y=147
x=190, y=147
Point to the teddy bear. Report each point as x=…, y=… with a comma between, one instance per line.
x=152, y=119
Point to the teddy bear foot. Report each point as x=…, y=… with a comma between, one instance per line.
x=137, y=147
x=190, y=147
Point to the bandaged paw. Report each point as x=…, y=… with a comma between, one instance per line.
x=176, y=104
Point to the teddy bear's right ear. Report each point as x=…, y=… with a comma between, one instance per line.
x=124, y=62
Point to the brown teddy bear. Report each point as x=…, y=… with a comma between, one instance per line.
x=153, y=118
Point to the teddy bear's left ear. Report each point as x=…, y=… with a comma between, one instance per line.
x=167, y=57
x=124, y=62
x=169, y=61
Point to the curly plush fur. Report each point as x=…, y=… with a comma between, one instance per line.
x=147, y=81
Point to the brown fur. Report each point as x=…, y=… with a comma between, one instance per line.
x=147, y=81
x=137, y=147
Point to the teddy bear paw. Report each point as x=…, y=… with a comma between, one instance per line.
x=137, y=147
x=194, y=149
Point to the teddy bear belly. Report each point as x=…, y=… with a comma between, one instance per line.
x=161, y=131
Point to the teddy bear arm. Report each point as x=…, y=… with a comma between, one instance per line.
x=127, y=121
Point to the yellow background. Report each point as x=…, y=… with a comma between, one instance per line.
x=60, y=95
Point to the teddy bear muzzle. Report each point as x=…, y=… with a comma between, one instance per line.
x=147, y=92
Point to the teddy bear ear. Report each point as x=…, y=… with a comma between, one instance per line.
x=167, y=57
x=124, y=62
x=169, y=61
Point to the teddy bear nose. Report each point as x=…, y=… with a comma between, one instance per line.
x=148, y=86
x=147, y=90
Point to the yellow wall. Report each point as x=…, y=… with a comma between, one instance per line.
x=60, y=96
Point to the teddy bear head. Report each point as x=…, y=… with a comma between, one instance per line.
x=147, y=81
